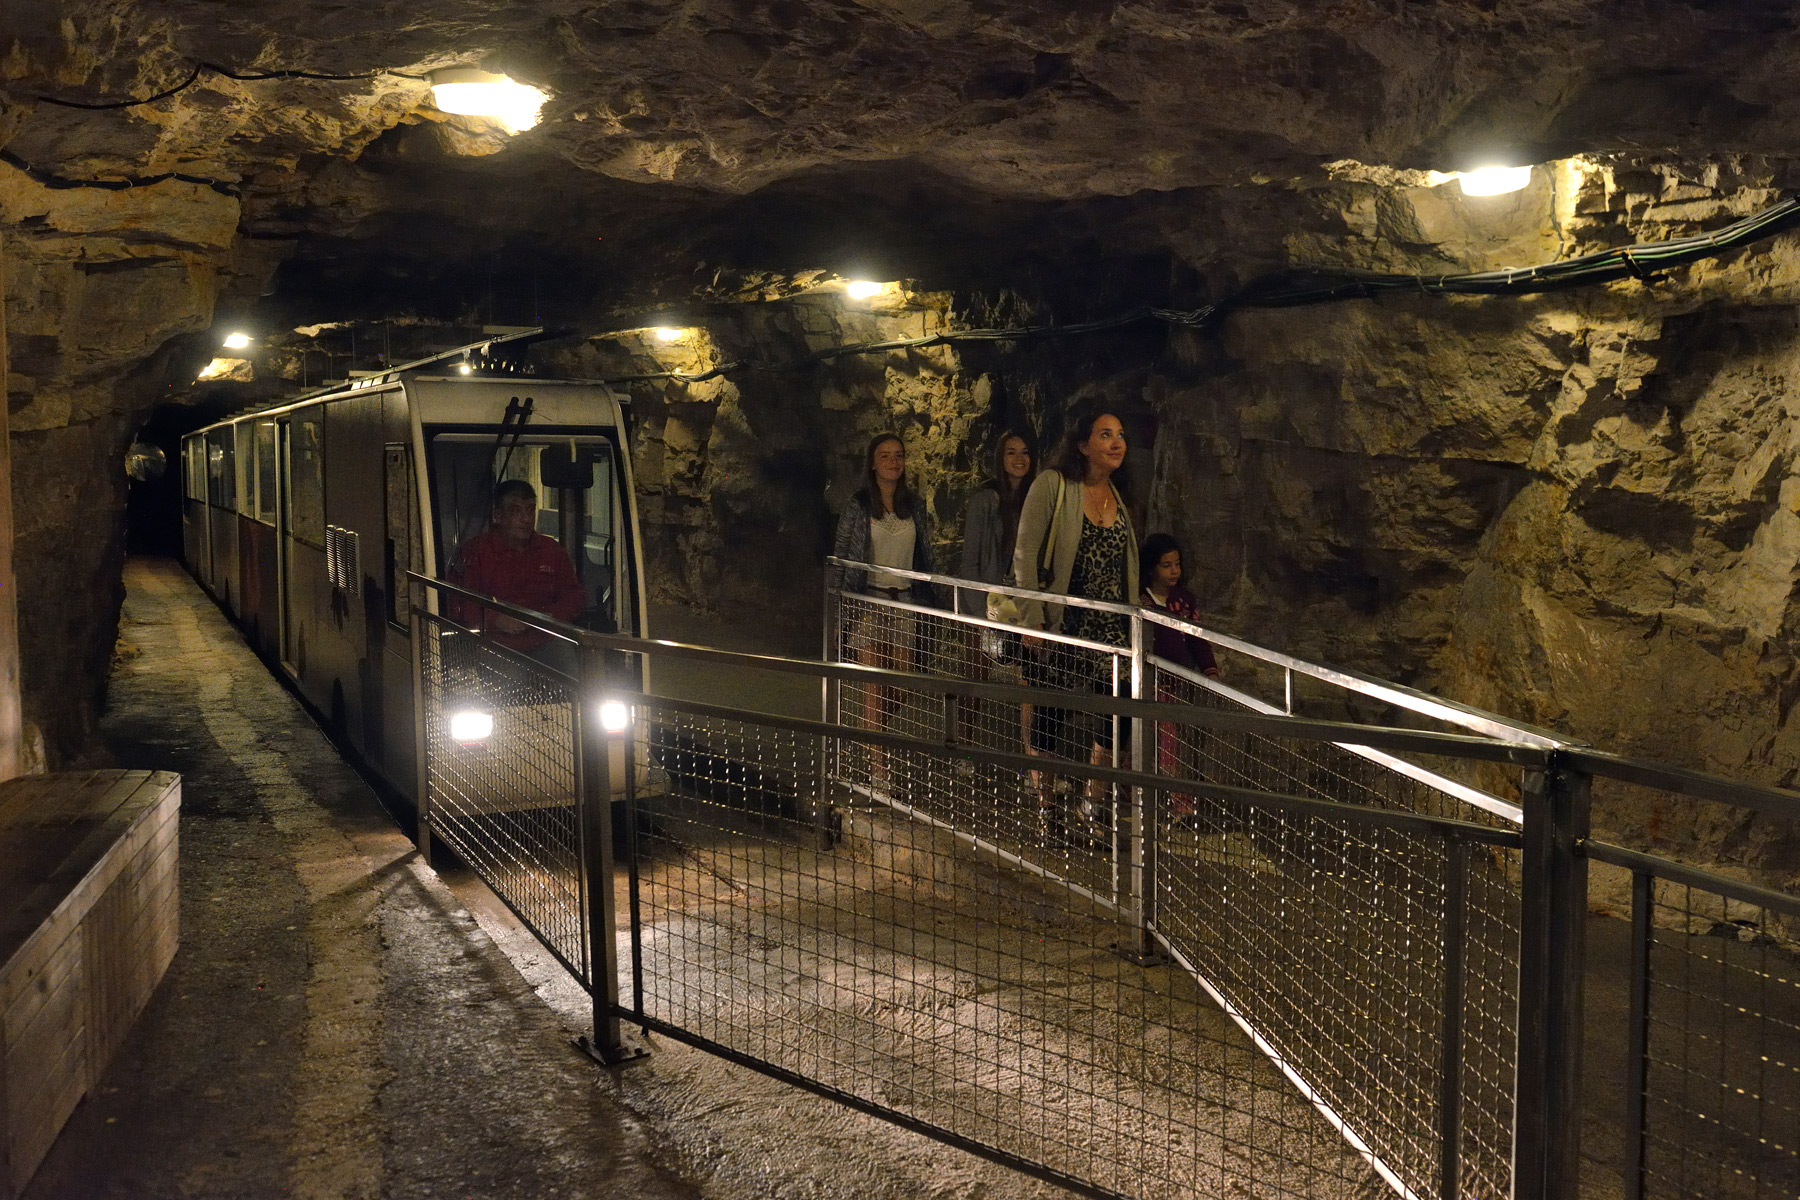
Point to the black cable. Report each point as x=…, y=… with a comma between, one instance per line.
x=298, y=74
x=1306, y=286
x=62, y=182
x=200, y=67
x=162, y=95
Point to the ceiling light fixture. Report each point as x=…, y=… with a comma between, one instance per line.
x=1493, y=181
x=236, y=341
x=467, y=92
x=861, y=289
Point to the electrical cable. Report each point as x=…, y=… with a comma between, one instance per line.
x=1296, y=288
x=62, y=182
x=203, y=67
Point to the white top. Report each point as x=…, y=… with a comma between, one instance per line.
x=891, y=545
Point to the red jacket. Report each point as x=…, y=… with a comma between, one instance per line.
x=539, y=577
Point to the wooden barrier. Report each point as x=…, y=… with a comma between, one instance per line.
x=88, y=924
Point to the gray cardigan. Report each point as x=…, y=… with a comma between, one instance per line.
x=1063, y=541
x=853, y=540
x=983, y=559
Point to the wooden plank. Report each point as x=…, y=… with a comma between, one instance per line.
x=50, y=982
x=42, y=1116
x=126, y=799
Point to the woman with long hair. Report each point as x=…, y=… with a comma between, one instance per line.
x=1076, y=539
x=883, y=525
x=990, y=530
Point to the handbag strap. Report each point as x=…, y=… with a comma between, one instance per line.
x=1062, y=490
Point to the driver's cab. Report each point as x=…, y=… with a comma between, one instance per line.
x=565, y=440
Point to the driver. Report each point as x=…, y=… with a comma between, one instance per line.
x=512, y=561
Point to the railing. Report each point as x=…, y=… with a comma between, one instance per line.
x=1282, y=954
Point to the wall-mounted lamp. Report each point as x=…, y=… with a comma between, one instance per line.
x=665, y=334
x=1493, y=181
x=467, y=92
x=236, y=341
x=463, y=368
x=862, y=289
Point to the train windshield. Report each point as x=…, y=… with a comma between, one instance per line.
x=576, y=480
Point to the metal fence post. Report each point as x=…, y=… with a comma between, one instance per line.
x=421, y=734
x=1637, y=1040
x=1143, y=808
x=1453, y=937
x=593, y=773
x=828, y=706
x=1552, y=952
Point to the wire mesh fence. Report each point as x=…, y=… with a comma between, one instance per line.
x=1345, y=946
x=501, y=778
x=1162, y=953
x=1049, y=814
x=1322, y=938
x=944, y=986
x=1711, y=1056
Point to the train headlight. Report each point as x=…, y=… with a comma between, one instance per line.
x=471, y=727
x=615, y=716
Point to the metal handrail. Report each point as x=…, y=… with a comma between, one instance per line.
x=1412, y=699
x=1462, y=791
x=1454, y=745
x=1528, y=753
x=1311, y=806
x=1699, y=785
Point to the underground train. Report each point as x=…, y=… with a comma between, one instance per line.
x=302, y=518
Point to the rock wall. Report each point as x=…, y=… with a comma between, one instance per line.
x=740, y=478
x=1577, y=510
x=100, y=285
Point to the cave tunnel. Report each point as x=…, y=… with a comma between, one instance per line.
x=1454, y=342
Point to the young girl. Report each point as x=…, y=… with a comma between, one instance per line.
x=1159, y=566
x=883, y=525
x=990, y=529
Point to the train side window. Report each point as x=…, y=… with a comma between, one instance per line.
x=194, y=467
x=402, y=527
x=221, y=468
x=245, y=436
x=307, y=470
x=265, y=471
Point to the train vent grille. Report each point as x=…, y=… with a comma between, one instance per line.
x=343, y=559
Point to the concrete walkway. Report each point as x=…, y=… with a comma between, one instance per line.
x=341, y=1022
x=334, y=1024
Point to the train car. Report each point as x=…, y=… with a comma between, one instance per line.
x=302, y=518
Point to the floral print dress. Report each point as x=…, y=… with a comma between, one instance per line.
x=1099, y=574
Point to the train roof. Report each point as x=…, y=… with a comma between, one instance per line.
x=480, y=356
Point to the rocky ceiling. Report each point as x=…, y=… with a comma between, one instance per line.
x=895, y=136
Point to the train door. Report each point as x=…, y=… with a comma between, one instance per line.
x=308, y=597
x=400, y=553
x=284, y=532
x=221, y=517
